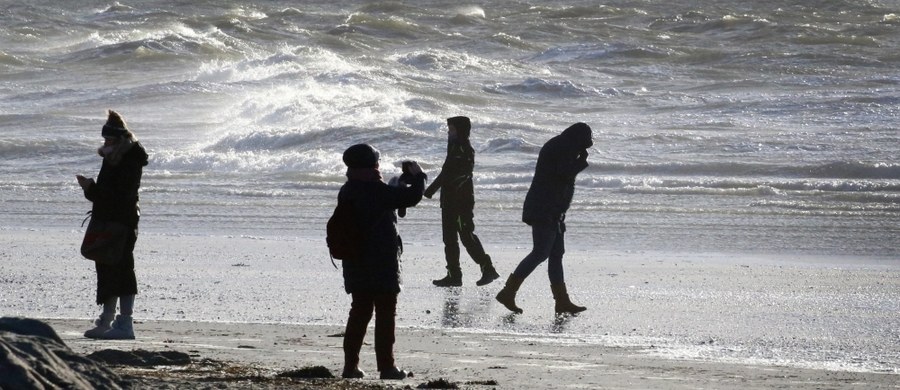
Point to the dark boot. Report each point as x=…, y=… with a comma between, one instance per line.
x=507, y=295
x=563, y=304
x=453, y=279
x=488, y=273
x=454, y=272
x=395, y=373
x=353, y=373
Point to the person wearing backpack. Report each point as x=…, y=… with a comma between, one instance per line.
x=457, y=205
x=372, y=278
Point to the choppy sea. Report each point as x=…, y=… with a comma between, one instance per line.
x=725, y=126
x=734, y=127
x=719, y=126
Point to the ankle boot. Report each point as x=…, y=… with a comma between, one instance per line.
x=563, y=304
x=101, y=326
x=353, y=373
x=394, y=373
x=122, y=329
x=507, y=295
x=453, y=279
x=488, y=274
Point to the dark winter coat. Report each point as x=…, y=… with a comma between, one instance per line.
x=378, y=271
x=455, y=179
x=553, y=185
x=115, y=192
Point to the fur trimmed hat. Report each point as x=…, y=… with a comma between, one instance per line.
x=115, y=125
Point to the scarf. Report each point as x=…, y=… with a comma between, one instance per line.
x=364, y=174
x=113, y=154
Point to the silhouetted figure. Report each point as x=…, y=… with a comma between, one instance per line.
x=546, y=203
x=373, y=280
x=457, y=205
x=115, y=198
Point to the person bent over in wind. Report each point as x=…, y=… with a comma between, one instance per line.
x=546, y=203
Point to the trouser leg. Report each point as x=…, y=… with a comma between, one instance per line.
x=126, y=305
x=466, y=228
x=449, y=234
x=109, y=310
x=544, y=238
x=385, y=314
x=360, y=314
x=554, y=263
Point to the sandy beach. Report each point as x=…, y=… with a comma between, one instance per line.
x=654, y=321
x=466, y=358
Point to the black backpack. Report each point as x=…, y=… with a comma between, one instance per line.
x=343, y=234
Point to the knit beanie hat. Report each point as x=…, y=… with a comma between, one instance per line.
x=361, y=156
x=115, y=125
x=462, y=124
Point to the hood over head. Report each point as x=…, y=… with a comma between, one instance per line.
x=463, y=126
x=580, y=135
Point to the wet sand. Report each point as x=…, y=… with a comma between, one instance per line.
x=472, y=360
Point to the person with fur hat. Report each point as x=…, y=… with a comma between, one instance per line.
x=457, y=206
x=546, y=203
x=115, y=198
x=373, y=280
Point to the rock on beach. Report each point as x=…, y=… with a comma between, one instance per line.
x=33, y=356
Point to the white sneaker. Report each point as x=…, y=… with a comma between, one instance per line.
x=101, y=326
x=122, y=329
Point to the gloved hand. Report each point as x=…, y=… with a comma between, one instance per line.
x=411, y=167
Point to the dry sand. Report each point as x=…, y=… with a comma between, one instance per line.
x=472, y=360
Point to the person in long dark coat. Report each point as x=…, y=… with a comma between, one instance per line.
x=373, y=281
x=115, y=198
x=457, y=206
x=546, y=203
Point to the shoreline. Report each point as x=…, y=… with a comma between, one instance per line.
x=466, y=358
x=825, y=317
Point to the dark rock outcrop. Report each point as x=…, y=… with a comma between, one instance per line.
x=141, y=358
x=33, y=356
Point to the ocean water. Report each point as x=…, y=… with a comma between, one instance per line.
x=729, y=127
